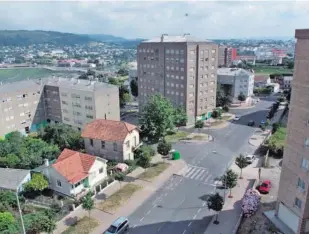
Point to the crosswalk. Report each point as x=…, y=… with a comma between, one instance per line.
x=197, y=173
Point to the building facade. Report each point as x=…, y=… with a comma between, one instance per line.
x=226, y=56
x=182, y=69
x=28, y=105
x=293, y=197
x=236, y=81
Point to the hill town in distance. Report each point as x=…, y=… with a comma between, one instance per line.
x=169, y=134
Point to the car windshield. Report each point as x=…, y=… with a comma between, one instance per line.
x=112, y=229
x=264, y=185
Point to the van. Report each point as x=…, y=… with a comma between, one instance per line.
x=119, y=226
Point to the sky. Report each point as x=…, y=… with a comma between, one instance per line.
x=147, y=19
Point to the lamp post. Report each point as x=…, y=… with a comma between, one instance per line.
x=226, y=166
x=20, y=212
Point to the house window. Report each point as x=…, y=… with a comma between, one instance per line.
x=128, y=144
x=301, y=184
x=298, y=203
x=91, y=142
x=134, y=139
x=59, y=183
x=305, y=164
x=101, y=170
x=115, y=146
x=103, y=144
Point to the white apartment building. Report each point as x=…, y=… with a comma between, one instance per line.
x=236, y=81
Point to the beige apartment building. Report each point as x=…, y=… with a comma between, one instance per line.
x=182, y=69
x=27, y=105
x=293, y=197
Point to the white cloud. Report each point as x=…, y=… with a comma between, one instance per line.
x=215, y=19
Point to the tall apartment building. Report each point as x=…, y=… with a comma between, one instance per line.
x=293, y=196
x=27, y=105
x=226, y=56
x=181, y=68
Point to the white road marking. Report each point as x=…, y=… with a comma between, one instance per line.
x=208, y=177
x=198, y=211
x=200, y=174
x=159, y=228
x=180, y=180
x=184, y=231
x=165, y=195
x=154, y=206
x=204, y=204
x=142, y=219
x=134, y=226
x=148, y=212
x=182, y=201
x=195, y=173
x=189, y=224
x=192, y=169
x=194, y=217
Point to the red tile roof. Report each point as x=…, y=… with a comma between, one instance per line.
x=108, y=130
x=260, y=78
x=73, y=165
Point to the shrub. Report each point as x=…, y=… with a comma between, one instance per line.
x=250, y=202
x=119, y=176
x=225, y=108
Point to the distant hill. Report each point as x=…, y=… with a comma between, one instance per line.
x=25, y=38
x=105, y=37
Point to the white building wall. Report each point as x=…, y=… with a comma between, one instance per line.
x=94, y=173
x=133, y=139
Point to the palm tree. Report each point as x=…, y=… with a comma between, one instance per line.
x=241, y=162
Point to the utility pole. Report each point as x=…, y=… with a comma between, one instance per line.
x=20, y=212
x=226, y=167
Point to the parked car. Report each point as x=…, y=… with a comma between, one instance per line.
x=262, y=123
x=250, y=158
x=237, y=117
x=251, y=123
x=264, y=187
x=119, y=226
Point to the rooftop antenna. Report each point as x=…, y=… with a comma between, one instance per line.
x=183, y=25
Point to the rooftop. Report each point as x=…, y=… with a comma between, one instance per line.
x=107, y=130
x=73, y=165
x=75, y=83
x=12, y=178
x=180, y=38
x=233, y=72
x=20, y=85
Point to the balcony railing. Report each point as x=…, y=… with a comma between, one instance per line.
x=137, y=146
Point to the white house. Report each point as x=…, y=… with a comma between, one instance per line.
x=74, y=173
x=110, y=139
x=236, y=81
x=14, y=179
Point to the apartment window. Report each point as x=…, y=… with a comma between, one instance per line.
x=19, y=97
x=88, y=98
x=89, y=116
x=305, y=164
x=181, y=77
x=192, y=51
x=177, y=77
x=181, y=60
x=177, y=68
x=167, y=68
x=212, y=59
x=65, y=111
x=172, y=51
x=64, y=103
x=167, y=59
x=35, y=102
x=66, y=119
x=177, y=85
x=168, y=83
x=182, y=69
x=181, y=85
x=22, y=114
x=101, y=170
x=167, y=51
x=167, y=75
x=167, y=91
x=181, y=51
x=59, y=183
x=172, y=68
x=172, y=76
x=103, y=144
x=191, y=94
x=191, y=69
x=298, y=203
x=26, y=104
x=172, y=92
x=301, y=184
x=181, y=94
x=77, y=113
x=64, y=94
x=128, y=144
x=201, y=92
x=172, y=84
x=91, y=142
x=89, y=107
x=191, y=86
x=212, y=75
x=115, y=146
x=213, y=51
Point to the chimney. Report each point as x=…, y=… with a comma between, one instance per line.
x=162, y=37
x=46, y=162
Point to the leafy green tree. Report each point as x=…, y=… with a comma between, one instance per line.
x=145, y=149
x=216, y=114
x=180, y=117
x=37, y=183
x=124, y=95
x=290, y=65
x=144, y=159
x=8, y=198
x=62, y=135
x=199, y=124
x=275, y=143
x=215, y=202
x=157, y=118
x=113, y=81
x=88, y=205
x=242, y=97
x=7, y=223
x=241, y=162
x=39, y=222
x=275, y=126
x=12, y=161
x=229, y=179
x=134, y=87
x=164, y=147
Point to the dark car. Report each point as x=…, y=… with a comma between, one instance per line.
x=251, y=123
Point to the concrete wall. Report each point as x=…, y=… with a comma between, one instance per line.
x=94, y=174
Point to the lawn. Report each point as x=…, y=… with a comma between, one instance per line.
x=154, y=171
x=17, y=74
x=83, y=226
x=119, y=198
x=270, y=70
x=176, y=136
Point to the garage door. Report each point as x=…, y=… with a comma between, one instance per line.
x=288, y=217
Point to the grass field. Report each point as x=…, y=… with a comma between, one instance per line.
x=270, y=70
x=17, y=74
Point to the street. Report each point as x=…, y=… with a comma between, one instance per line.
x=180, y=205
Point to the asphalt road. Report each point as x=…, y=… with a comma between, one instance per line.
x=180, y=205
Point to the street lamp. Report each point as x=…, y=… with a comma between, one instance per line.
x=20, y=212
x=226, y=167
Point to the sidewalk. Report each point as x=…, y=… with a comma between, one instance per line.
x=258, y=137
x=105, y=219
x=231, y=214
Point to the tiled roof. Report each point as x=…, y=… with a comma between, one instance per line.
x=73, y=165
x=260, y=78
x=107, y=130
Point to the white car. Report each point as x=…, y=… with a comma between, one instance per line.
x=236, y=117
x=250, y=158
